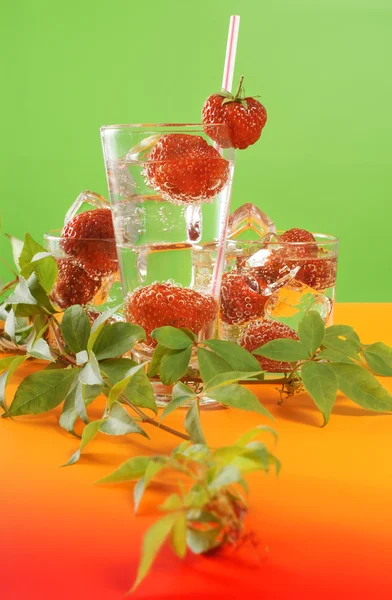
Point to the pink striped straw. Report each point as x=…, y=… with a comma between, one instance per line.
x=227, y=82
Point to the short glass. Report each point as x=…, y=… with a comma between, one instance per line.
x=169, y=189
x=280, y=281
x=79, y=281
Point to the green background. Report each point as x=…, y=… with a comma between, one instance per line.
x=322, y=67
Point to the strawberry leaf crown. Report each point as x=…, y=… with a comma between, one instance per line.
x=239, y=96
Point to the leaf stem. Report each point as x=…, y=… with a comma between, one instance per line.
x=146, y=419
x=8, y=285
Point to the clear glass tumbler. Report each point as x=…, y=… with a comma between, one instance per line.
x=169, y=189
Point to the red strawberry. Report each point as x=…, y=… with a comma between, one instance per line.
x=162, y=304
x=318, y=274
x=259, y=333
x=297, y=235
x=91, y=241
x=244, y=117
x=241, y=298
x=185, y=168
x=74, y=285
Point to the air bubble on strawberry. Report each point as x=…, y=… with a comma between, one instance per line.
x=90, y=241
x=185, y=169
x=262, y=331
x=162, y=304
x=319, y=273
x=244, y=117
x=74, y=285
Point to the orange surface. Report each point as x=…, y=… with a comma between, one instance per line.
x=327, y=519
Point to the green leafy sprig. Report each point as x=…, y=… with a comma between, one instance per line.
x=209, y=509
x=326, y=360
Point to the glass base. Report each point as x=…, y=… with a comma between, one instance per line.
x=163, y=395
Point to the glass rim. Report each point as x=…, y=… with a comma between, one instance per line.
x=150, y=126
x=326, y=238
x=55, y=236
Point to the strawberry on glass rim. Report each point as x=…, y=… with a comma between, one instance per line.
x=245, y=118
x=185, y=169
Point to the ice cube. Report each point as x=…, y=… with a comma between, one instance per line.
x=120, y=181
x=88, y=197
x=266, y=265
x=138, y=152
x=292, y=301
x=248, y=216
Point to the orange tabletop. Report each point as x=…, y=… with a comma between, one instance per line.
x=326, y=520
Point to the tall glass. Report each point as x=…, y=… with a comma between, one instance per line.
x=169, y=189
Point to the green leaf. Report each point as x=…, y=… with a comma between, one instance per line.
x=5, y=378
x=140, y=392
x=44, y=265
x=81, y=357
x=120, y=423
x=348, y=347
x=345, y=331
x=155, y=364
x=152, y=542
x=236, y=396
x=285, y=350
x=362, y=387
x=69, y=415
x=201, y=541
x=172, y=338
x=379, y=358
x=98, y=325
x=255, y=432
x=75, y=328
x=115, y=339
x=42, y=391
x=238, y=358
x=80, y=404
x=230, y=377
x=21, y=294
x=189, y=333
x=5, y=362
x=311, y=330
x=334, y=356
x=172, y=502
x=210, y=364
x=321, y=383
x=29, y=250
x=226, y=476
x=40, y=294
x=181, y=393
x=40, y=349
x=115, y=369
x=90, y=374
x=193, y=425
x=154, y=466
x=174, y=365
x=89, y=432
x=10, y=325
x=178, y=536
x=131, y=469
x=119, y=387
x=17, y=247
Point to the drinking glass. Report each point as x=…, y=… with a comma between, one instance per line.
x=169, y=188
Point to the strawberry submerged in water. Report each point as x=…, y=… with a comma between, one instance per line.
x=245, y=118
x=74, y=285
x=90, y=240
x=242, y=298
x=185, y=169
x=259, y=333
x=162, y=304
